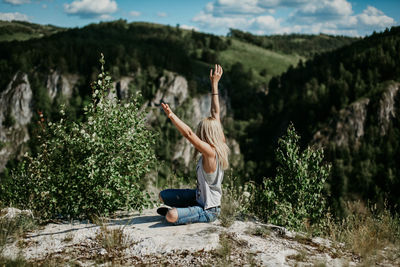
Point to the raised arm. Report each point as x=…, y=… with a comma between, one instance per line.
x=203, y=147
x=214, y=78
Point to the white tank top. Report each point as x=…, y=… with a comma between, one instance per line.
x=208, y=193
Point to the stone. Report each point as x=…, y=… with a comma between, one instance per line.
x=13, y=213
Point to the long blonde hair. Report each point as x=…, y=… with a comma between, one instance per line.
x=210, y=131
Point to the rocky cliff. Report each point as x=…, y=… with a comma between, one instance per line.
x=15, y=114
x=16, y=108
x=349, y=125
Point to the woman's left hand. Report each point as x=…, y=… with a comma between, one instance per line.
x=216, y=76
x=167, y=110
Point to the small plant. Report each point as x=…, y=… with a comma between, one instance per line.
x=321, y=263
x=225, y=250
x=299, y=257
x=235, y=201
x=294, y=198
x=12, y=229
x=111, y=239
x=19, y=261
x=261, y=231
x=92, y=167
x=229, y=209
x=69, y=237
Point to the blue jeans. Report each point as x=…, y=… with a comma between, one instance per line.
x=189, y=211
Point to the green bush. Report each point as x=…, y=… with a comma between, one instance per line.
x=89, y=168
x=294, y=198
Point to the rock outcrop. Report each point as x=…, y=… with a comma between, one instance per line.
x=13, y=213
x=387, y=107
x=15, y=114
x=173, y=90
x=16, y=110
x=16, y=105
x=60, y=84
x=348, y=126
x=147, y=239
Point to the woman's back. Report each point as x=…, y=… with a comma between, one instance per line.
x=209, y=190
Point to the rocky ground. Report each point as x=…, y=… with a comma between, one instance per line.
x=147, y=239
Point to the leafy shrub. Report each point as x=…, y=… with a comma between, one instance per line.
x=294, y=198
x=89, y=168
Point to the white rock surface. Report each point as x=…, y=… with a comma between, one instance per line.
x=387, y=109
x=348, y=126
x=58, y=83
x=15, y=102
x=173, y=90
x=120, y=88
x=154, y=241
x=12, y=213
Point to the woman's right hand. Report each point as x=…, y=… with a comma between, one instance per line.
x=167, y=110
x=216, y=76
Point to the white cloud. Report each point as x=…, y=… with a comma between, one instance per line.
x=307, y=16
x=91, y=8
x=328, y=7
x=105, y=17
x=13, y=16
x=323, y=10
x=188, y=27
x=374, y=17
x=207, y=20
x=134, y=13
x=266, y=23
x=17, y=2
x=281, y=3
x=235, y=7
x=161, y=14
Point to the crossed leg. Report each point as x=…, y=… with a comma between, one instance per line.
x=177, y=198
x=172, y=214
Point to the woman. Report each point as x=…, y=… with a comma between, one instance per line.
x=203, y=203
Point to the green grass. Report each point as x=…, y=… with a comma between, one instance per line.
x=257, y=59
x=22, y=31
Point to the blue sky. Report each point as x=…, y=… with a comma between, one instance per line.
x=344, y=17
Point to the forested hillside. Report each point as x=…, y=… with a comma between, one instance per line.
x=301, y=44
x=348, y=102
x=21, y=30
x=267, y=82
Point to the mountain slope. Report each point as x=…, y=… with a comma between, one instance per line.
x=59, y=67
x=262, y=90
x=22, y=31
x=305, y=45
x=351, y=87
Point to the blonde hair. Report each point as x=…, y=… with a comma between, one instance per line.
x=210, y=131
